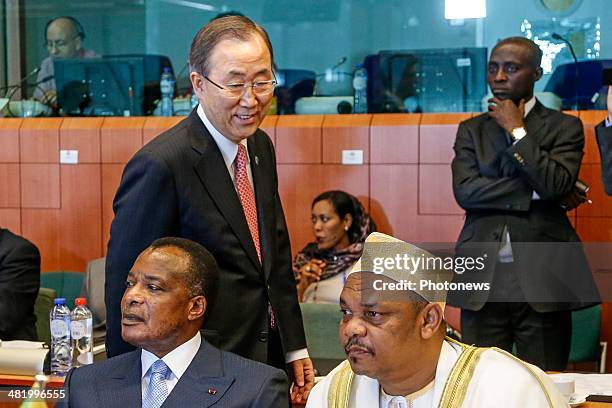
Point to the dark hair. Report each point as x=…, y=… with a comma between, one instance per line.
x=202, y=275
x=344, y=204
x=230, y=27
x=534, y=50
x=77, y=26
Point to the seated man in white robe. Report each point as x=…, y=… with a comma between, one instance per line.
x=398, y=356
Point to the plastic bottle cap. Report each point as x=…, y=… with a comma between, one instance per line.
x=166, y=69
x=59, y=301
x=80, y=301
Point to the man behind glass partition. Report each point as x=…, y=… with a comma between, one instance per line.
x=64, y=39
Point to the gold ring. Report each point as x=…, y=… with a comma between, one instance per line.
x=308, y=268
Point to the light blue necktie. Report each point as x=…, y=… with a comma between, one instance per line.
x=157, y=391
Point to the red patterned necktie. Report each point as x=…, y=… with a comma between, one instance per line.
x=247, y=196
x=247, y=199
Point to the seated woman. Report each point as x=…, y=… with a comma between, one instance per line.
x=340, y=225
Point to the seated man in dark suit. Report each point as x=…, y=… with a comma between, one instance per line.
x=19, y=283
x=168, y=290
x=604, y=140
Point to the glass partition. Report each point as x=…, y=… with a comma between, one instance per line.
x=318, y=43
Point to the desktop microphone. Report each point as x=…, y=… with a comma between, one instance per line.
x=340, y=62
x=571, y=48
x=22, y=80
x=25, y=78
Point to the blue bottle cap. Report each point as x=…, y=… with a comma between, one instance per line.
x=59, y=301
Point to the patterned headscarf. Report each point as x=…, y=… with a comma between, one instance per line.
x=337, y=261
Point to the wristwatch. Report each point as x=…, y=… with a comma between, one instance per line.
x=518, y=133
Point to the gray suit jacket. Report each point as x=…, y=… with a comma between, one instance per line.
x=604, y=141
x=214, y=377
x=494, y=182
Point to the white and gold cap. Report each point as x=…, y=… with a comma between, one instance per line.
x=415, y=269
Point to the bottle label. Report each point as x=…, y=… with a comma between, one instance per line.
x=78, y=329
x=85, y=358
x=360, y=82
x=166, y=86
x=58, y=328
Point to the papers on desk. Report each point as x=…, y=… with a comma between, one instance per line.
x=22, y=344
x=590, y=384
x=3, y=104
x=20, y=357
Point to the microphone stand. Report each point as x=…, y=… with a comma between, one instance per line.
x=571, y=48
x=18, y=84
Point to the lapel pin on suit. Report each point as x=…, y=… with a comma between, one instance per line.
x=256, y=160
x=212, y=391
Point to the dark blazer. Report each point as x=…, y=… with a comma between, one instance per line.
x=19, y=284
x=494, y=181
x=604, y=141
x=178, y=185
x=214, y=377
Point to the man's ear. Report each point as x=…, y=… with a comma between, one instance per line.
x=538, y=73
x=197, y=307
x=197, y=82
x=432, y=319
x=78, y=43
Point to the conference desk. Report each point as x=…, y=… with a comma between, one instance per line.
x=12, y=382
x=7, y=381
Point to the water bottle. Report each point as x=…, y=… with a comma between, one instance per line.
x=166, y=86
x=81, y=330
x=61, y=357
x=360, y=87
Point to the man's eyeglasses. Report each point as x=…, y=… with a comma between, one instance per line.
x=58, y=43
x=235, y=90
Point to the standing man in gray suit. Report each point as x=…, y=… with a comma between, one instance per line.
x=212, y=179
x=168, y=291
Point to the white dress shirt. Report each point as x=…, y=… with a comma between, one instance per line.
x=229, y=150
x=177, y=361
x=422, y=398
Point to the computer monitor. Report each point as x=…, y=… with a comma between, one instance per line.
x=113, y=85
x=427, y=80
x=577, y=84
